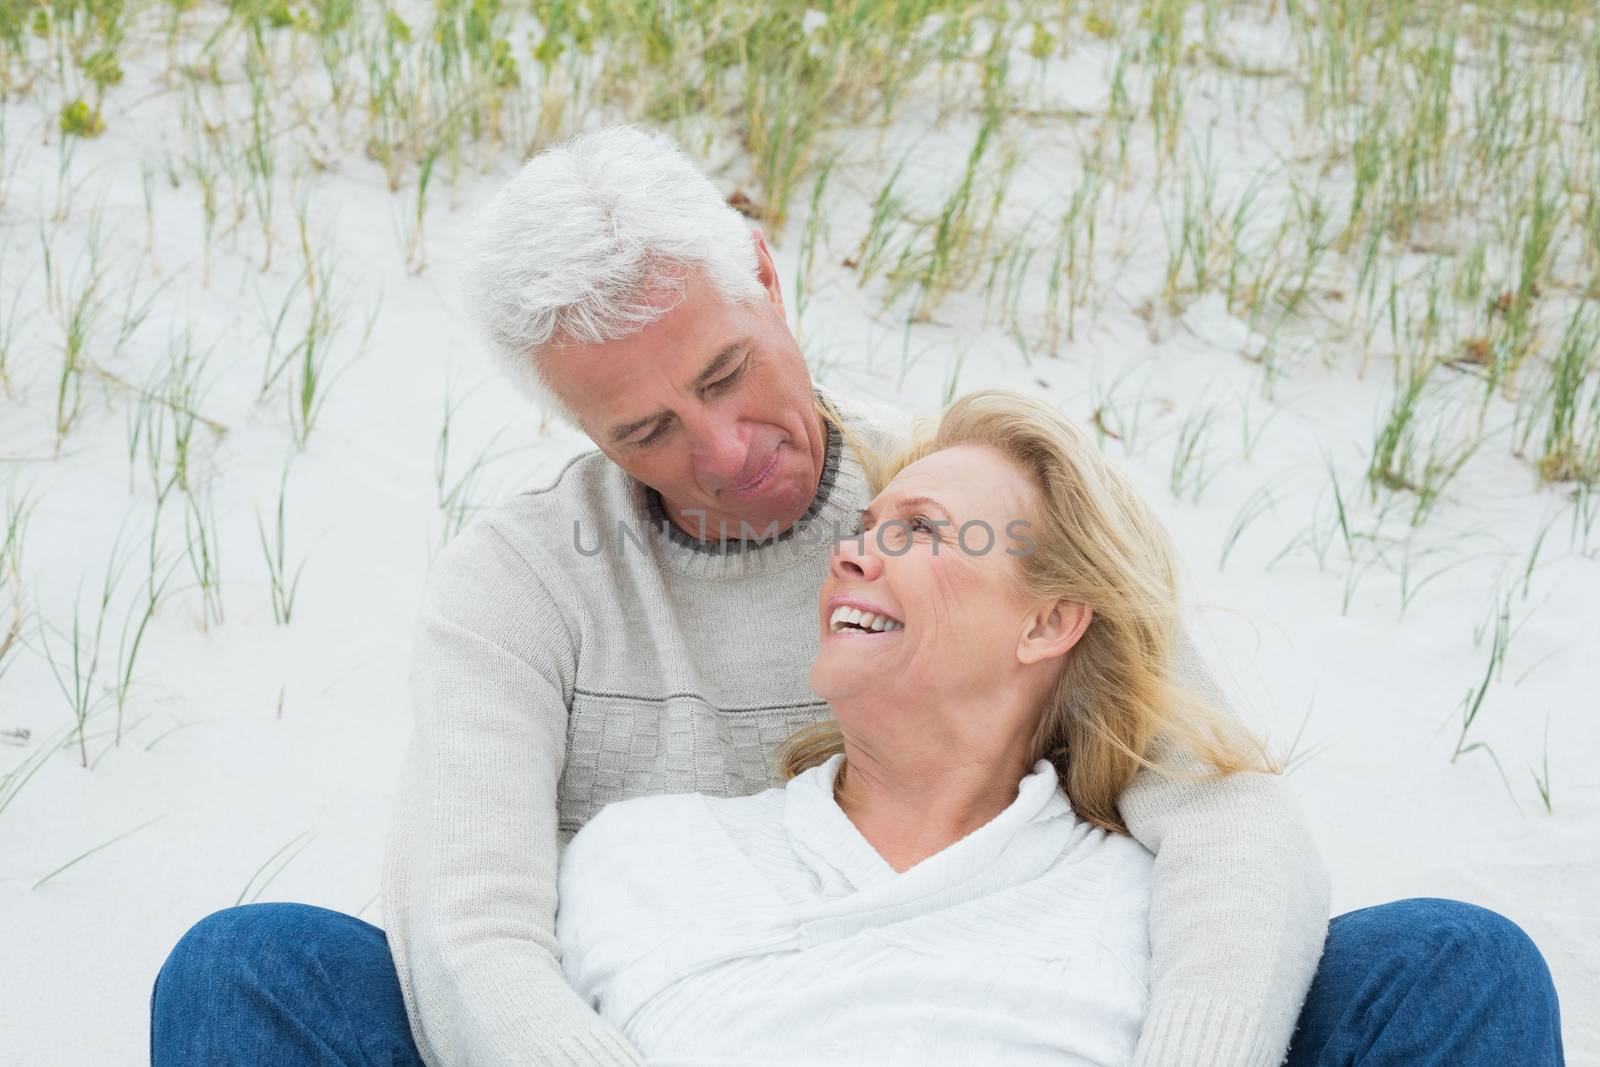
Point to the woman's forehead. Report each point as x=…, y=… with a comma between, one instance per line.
x=963, y=478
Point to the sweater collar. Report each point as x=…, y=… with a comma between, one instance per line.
x=1013, y=846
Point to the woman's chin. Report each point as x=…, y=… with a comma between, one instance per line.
x=848, y=664
x=818, y=681
x=830, y=680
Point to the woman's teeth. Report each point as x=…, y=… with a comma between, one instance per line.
x=854, y=618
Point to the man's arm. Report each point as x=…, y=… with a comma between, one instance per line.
x=1238, y=909
x=470, y=873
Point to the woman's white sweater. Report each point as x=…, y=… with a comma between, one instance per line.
x=765, y=929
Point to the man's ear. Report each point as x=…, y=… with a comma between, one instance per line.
x=767, y=271
x=1052, y=630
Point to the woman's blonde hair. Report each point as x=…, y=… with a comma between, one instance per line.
x=1096, y=542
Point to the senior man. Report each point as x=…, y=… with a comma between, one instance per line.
x=645, y=624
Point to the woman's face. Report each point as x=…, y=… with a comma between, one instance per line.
x=935, y=566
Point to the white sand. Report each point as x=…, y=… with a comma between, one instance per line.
x=1374, y=694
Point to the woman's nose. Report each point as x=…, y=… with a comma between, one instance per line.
x=851, y=558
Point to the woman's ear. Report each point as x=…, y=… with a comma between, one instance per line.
x=1052, y=630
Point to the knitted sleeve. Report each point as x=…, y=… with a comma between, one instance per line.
x=1238, y=910
x=470, y=870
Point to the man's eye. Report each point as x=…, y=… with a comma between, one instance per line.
x=652, y=437
x=728, y=379
x=920, y=521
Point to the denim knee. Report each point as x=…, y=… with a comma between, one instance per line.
x=1469, y=934
x=219, y=935
x=279, y=983
x=1429, y=981
x=1468, y=943
x=225, y=945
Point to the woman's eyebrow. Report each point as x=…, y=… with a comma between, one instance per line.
x=867, y=514
x=925, y=502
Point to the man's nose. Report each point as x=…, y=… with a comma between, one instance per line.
x=719, y=451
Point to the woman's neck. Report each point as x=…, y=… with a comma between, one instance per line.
x=909, y=808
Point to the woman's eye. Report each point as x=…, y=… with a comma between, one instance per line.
x=919, y=522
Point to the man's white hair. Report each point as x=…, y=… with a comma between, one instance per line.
x=592, y=241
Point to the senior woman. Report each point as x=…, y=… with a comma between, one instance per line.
x=945, y=878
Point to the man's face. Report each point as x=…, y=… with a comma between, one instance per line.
x=711, y=405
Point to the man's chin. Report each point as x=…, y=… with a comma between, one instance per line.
x=762, y=526
x=768, y=517
x=713, y=524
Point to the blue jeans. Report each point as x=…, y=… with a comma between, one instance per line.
x=1414, y=983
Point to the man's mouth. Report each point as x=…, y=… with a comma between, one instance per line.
x=758, y=481
x=846, y=619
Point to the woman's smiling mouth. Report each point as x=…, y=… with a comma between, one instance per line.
x=846, y=619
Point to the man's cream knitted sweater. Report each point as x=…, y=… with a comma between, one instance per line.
x=550, y=679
